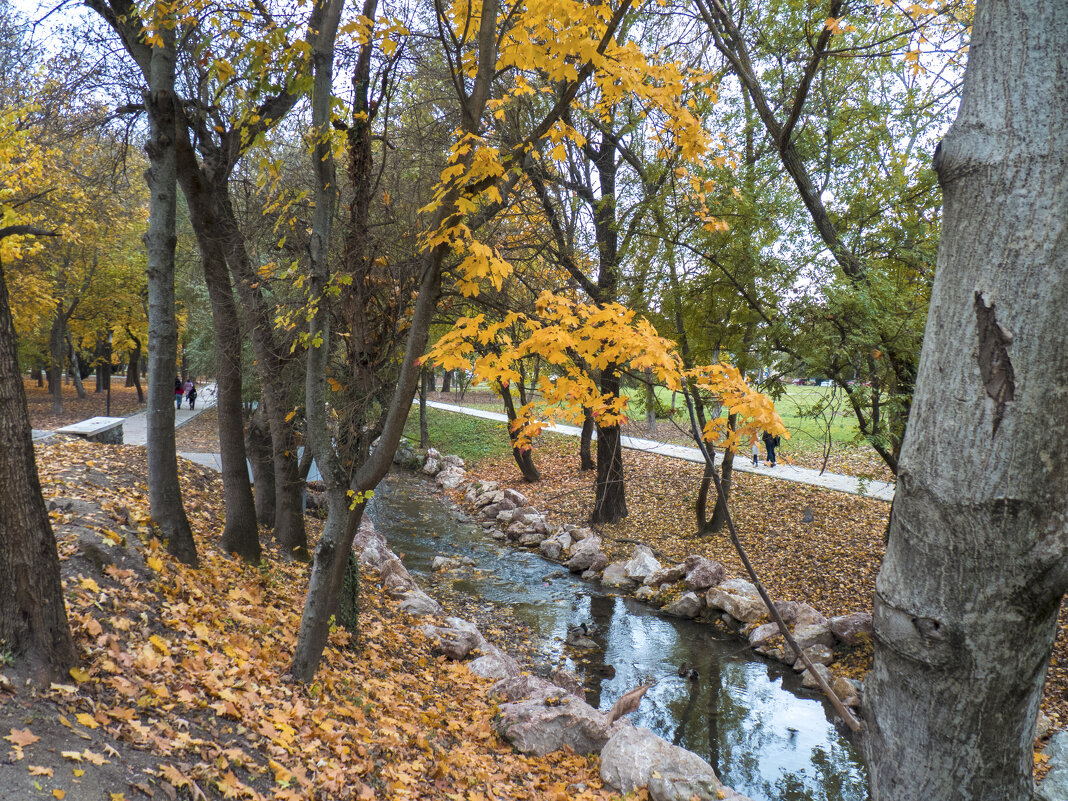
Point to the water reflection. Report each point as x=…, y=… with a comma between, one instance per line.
x=742, y=714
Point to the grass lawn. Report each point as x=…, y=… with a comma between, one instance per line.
x=470, y=438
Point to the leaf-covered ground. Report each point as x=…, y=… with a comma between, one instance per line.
x=180, y=692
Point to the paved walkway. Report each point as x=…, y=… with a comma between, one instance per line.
x=802, y=475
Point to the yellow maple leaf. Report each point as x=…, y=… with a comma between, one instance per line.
x=87, y=720
x=89, y=584
x=155, y=563
x=37, y=770
x=160, y=643
x=60, y=794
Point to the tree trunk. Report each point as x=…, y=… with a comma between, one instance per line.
x=424, y=433
x=585, y=442
x=650, y=401
x=967, y=598
x=133, y=371
x=99, y=359
x=164, y=492
x=57, y=358
x=241, y=530
x=431, y=381
x=38, y=374
x=76, y=369
x=524, y=457
x=33, y=618
x=610, y=501
x=259, y=450
x=446, y=381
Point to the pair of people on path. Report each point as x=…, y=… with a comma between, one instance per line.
x=188, y=390
x=770, y=444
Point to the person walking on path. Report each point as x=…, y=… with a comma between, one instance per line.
x=756, y=452
x=191, y=394
x=771, y=443
x=179, y=392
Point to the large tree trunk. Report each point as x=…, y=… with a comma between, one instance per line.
x=33, y=618
x=102, y=365
x=424, y=433
x=241, y=530
x=164, y=492
x=967, y=598
x=289, y=529
x=446, y=382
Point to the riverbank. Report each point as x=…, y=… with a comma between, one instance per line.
x=180, y=688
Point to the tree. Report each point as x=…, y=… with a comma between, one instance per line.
x=33, y=618
x=967, y=598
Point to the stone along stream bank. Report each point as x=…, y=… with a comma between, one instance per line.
x=749, y=717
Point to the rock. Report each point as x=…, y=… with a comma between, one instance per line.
x=491, y=511
x=417, y=602
x=704, y=573
x=817, y=655
x=764, y=635
x=450, y=477
x=580, y=533
x=814, y=634
x=520, y=688
x=534, y=727
x=808, y=616
x=641, y=565
x=551, y=548
x=498, y=534
x=516, y=497
x=1055, y=786
x=809, y=680
x=456, y=639
x=687, y=605
x=846, y=690
x=787, y=611
x=495, y=664
x=600, y=562
x=454, y=460
x=737, y=586
x=504, y=517
x=592, y=574
x=433, y=453
x=852, y=629
x=745, y=608
x=615, y=575
x=431, y=466
x=648, y=594
x=583, y=554
x=666, y=575
x=1043, y=725
x=531, y=538
x=568, y=681
x=634, y=757
x=443, y=563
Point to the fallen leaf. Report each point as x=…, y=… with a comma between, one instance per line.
x=60, y=794
x=78, y=674
x=37, y=770
x=22, y=737
x=87, y=720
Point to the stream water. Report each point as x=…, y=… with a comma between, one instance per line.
x=748, y=717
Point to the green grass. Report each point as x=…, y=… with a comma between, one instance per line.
x=470, y=438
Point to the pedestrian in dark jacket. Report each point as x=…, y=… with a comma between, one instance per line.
x=191, y=394
x=770, y=444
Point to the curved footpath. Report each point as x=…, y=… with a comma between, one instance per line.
x=802, y=475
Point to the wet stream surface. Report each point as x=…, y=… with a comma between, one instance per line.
x=765, y=736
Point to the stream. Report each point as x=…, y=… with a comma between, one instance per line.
x=748, y=717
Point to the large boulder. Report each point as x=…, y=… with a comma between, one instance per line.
x=537, y=727
x=450, y=477
x=494, y=664
x=555, y=546
x=666, y=575
x=454, y=460
x=811, y=682
x=852, y=629
x=807, y=616
x=703, y=573
x=765, y=635
x=737, y=598
x=634, y=757
x=433, y=462
x=687, y=605
x=516, y=497
x=417, y=602
x=615, y=575
x=520, y=688
x=531, y=538
x=583, y=554
x=456, y=639
x=641, y=564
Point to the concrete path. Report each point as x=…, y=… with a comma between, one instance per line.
x=742, y=463
x=135, y=427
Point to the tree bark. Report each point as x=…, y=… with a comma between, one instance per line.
x=259, y=450
x=133, y=371
x=241, y=529
x=967, y=598
x=446, y=381
x=524, y=457
x=33, y=618
x=57, y=358
x=164, y=492
x=610, y=500
x=586, y=442
x=424, y=433
x=76, y=369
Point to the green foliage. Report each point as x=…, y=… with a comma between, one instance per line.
x=470, y=438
